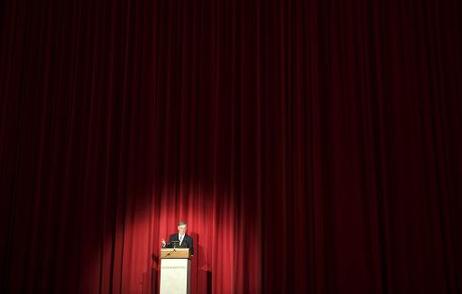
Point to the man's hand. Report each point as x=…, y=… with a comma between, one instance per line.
x=163, y=243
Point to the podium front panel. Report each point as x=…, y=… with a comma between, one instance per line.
x=174, y=276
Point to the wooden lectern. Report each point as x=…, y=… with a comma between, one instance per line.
x=175, y=267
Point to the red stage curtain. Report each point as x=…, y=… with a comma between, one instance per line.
x=312, y=146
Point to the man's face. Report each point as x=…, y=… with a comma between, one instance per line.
x=182, y=229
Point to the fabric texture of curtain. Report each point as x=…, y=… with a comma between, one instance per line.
x=312, y=146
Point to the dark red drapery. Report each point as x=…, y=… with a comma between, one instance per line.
x=312, y=146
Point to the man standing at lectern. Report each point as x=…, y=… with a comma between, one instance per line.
x=182, y=240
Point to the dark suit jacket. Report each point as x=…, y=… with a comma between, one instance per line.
x=187, y=242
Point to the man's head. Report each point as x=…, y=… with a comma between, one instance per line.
x=182, y=227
